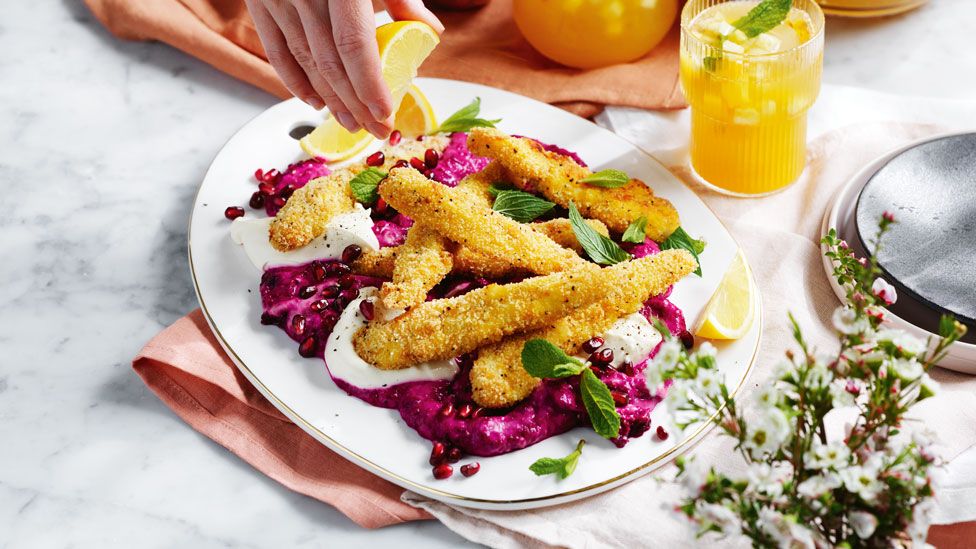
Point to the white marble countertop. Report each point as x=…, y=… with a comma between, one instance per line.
x=103, y=145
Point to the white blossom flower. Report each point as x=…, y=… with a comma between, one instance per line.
x=784, y=369
x=677, y=397
x=785, y=532
x=923, y=437
x=907, y=370
x=652, y=376
x=840, y=395
x=768, y=395
x=720, y=516
x=768, y=432
x=694, y=475
x=667, y=356
x=847, y=322
x=706, y=349
x=709, y=382
x=864, y=523
x=918, y=528
x=824, y=456
x=928, y=385
x=765, y=479
x=818, y=485
x=885, y=291
x=818, y=376
x=863, y=480
x=908, y=343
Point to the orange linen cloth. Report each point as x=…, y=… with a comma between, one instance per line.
x=482, y=46
x=186, y=368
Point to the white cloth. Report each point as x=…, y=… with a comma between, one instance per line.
x=847, y=128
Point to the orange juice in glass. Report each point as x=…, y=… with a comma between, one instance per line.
x=749, y=95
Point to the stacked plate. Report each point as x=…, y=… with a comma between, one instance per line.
x=929, y=255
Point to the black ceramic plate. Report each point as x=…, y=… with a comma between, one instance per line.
x=929, y=255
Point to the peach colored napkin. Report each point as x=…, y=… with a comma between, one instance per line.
x=482, y=46
x=186, y=368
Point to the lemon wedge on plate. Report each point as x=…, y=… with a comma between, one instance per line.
x=403, y=47
x=415, y=116
x=730, y=311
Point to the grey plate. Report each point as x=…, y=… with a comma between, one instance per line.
x=929, y=255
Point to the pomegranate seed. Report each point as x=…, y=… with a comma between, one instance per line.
x=319, y=305
x=233, y=212
x=470, y=469
x=478, y=412
x=287, y=191
x=620, y=398
x=395, y=137
x=347, y=280
x=269, y=319
x=603, y=356
x=420, y=138
x=376, y=159
x=257, y=200
x=271, y=175
x=464, y=411
x=431, y=158
x=278, y=201
x=318, y=271
x=439, y=454
x=443, y=471
x=336, y=269
x=638, y=428
x=401, y=164
x=465, y=361
x=628, y=367
x=259, y=174
x=351, y=253
x=309, y=347
x=447, y=409
x=661, y=433
x=593, y=344
x=366, y=307
x=346, y=298
x=306, y=292
x=328, y=322
x=454, y=454
x=381, y=206
x=330, y=291
x=429, y=174
x=417, y=164
x=596, y=370
x=266, y=188
x=298, y=325
x=687, y=339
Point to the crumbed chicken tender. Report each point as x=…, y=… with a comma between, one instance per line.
x=306, y=213
x=452, y=213
x=445, y=328
x=558, y=178
x=420, y=263
x=476, y=185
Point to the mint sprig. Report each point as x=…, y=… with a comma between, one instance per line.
x=542, y=359
x=766, y=16
x=561, y=467
x=635, y=231
x=521, y=206
x=496, y=188
x=608, y=179
x=366, y=183
x=679, y=239
x=465, y=119
x=600, y=248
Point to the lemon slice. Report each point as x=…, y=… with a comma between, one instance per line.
x=403, y=47
x=729, y=313
x=415, y=116
x=332, y=142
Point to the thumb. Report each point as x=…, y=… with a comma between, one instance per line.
x=413, y=10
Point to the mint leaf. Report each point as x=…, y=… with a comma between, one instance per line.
x=365, y=184
x=561, y=467
x=764, y=17
x=608, y=179
x=544, y=360
x=520, y=205
x=635, y=232
x=599, y=405
x=600, y=248
x=679, y=239
x=465, y=119
x=496, y=188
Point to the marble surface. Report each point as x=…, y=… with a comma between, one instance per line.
x=102, y=146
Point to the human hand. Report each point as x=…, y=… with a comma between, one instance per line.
x=326, y=54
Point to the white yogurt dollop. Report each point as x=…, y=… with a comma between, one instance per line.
x=345, y=364
x=352, y=227
x=631, y=337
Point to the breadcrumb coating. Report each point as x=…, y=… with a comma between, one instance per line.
x=420, y=263
x=452, y=213
x=558, y=178
x=445, y=328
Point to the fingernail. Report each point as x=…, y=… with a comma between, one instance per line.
x=347, y=121
x=377, y=129
x=315, y=103
x=378, y=112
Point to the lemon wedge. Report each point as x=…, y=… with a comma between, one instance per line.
x=332, y=142
x=415, y=116
x=730, y=311
x=403, y=46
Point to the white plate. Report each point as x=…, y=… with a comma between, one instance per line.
x=375, y=438
x=961, y=356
